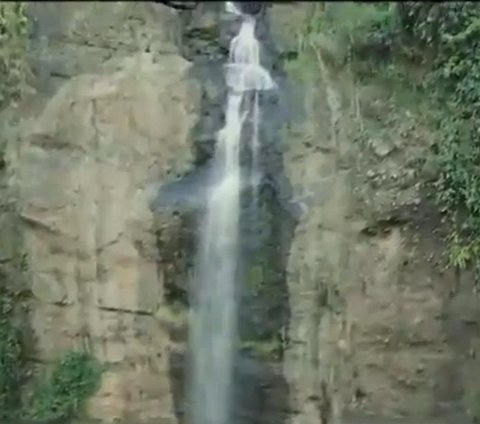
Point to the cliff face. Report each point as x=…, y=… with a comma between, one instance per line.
x=117, y=125
x=348, y=306
x=378, y=326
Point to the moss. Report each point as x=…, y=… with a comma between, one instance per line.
x=264, y=350
x=174, y=315
x=471, y=401
x=255, y=277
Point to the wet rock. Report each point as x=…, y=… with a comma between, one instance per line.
x=206, y=24
x=255, y=276
x=191, y=191
x=250, y=7
x=180, y=5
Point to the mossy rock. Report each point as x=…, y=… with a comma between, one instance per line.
x=173, y=316
x=264, y=350
x=256, y=277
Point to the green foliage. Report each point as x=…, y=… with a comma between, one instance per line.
x=444, y=38
x=357, y=21
x=462, y=253
x=452, y=30
x=74, y=379
x=268, y=350
x=13, y=42
x=10, y=359
x=344, y=24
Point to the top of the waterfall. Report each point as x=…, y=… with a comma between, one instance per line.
x=231, y=8
x=244, y=8
x=244, y=71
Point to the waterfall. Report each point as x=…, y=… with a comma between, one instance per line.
x=213, y=316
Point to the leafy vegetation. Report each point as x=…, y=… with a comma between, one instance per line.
x=358, y=22
x=268, y=350
x=13, y=43
x=74, y=379
x=345, y=24
x=451, y=30
x=10, y=359
x=385, y=41
x=443, y=39
x=76, y=375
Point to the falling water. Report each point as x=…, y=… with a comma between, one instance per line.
x=255, y=147
x=213, y=318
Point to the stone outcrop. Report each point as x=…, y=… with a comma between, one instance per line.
x=83, y=170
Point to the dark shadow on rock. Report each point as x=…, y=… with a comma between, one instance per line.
x=250, y=7
x=201, y=32
x=267, y=229
x=189, y=193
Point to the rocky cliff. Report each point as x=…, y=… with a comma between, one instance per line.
x=378, y=326
x=117, y=112
x=347, y=307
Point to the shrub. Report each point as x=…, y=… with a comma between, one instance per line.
x=444, y=38
x=10, y=359
x=13, y=45
x=452, y=31
x=74, y=379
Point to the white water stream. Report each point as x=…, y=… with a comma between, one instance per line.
x=213, y=317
